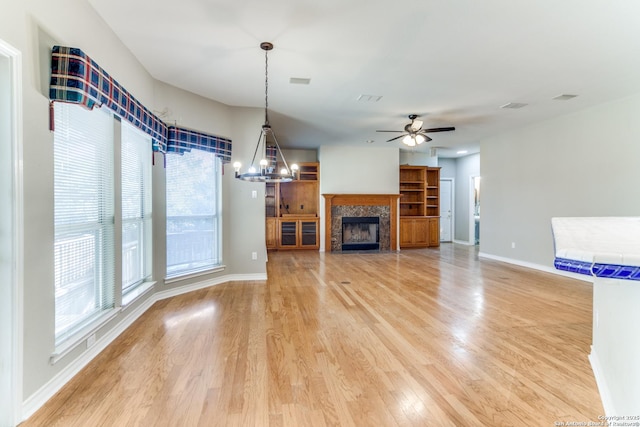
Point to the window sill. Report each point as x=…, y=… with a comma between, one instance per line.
x=137, y=293
x=173, y=279
x=72, y=342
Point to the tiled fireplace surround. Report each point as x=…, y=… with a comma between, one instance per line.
x=384, y=206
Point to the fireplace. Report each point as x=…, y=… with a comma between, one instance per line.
x=382, y=206
x=360, y=233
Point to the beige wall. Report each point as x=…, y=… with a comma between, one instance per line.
x=582, y=164
x=33, y=27
x=356, y=170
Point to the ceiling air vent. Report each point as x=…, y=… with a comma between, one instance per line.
x=564, y=97
x=514, y=105
x=369, y=98
x=299, y=81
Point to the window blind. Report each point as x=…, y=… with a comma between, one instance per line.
x=193, y=230
x=136, y=208
x=83, y=217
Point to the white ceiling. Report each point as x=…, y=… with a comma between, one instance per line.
x=453, y=62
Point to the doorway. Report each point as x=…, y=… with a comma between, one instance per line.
x=474, y=210
x=446, y=209
x=10, y=236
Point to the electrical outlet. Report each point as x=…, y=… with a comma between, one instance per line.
x=513, y=245
x=254, y=255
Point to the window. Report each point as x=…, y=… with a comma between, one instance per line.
x=136, y=208
x=83, y=217
x=193, y=230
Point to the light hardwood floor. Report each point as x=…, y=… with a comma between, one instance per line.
x=431, y=337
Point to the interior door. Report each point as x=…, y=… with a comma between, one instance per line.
x=446, y=209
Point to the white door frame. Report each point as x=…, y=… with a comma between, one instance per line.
x=15, y=64
x=472, y=208
x=453, y=206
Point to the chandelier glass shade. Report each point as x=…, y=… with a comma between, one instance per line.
x=266, y=170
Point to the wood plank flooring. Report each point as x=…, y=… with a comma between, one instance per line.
x=428, y=337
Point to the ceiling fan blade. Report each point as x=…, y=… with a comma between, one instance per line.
x=397, y=131
x=447, y=129
x=416, y=125
x=393, y=139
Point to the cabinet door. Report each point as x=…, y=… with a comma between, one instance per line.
x=414, y=232
x=288, y=234
x=406, y=232
x=434, y=231
x=309, y=234
x=420, y=233
x=271, y=233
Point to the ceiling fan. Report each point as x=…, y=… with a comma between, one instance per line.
x=413, y=134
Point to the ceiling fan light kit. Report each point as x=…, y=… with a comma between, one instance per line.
x=266, y=170
x=413, y=140
x=413, y=133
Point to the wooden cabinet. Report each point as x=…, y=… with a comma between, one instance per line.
x=414, y=232
x=292, y=210
x=298, y=233
x=419, y=206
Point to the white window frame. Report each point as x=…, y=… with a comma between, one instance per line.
x=215, y=178
x=136, y=146
x=103, y=228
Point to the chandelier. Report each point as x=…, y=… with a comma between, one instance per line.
x=266, y=169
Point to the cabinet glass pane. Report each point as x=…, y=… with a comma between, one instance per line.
x=309, y=233
x=288, y=233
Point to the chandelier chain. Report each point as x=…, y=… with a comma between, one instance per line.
x=267, y=172
x=266, y=86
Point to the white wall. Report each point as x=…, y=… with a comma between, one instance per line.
x=447, y=167
x=244, y=215
x=356, y=170
x=583, y=164
x=33, y=27
x=416, y=158
x=192, y=111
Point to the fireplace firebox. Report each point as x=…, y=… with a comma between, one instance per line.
x=360, y=233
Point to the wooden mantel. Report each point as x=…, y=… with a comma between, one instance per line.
x=390, y=200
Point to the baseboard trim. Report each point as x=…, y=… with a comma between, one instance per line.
x=463, y=242
x=538, y=267
x=605, y=395
x=168, y=293
x=48, y=390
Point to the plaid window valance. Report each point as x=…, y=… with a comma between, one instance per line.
x=78, y=79
x=181, y=140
